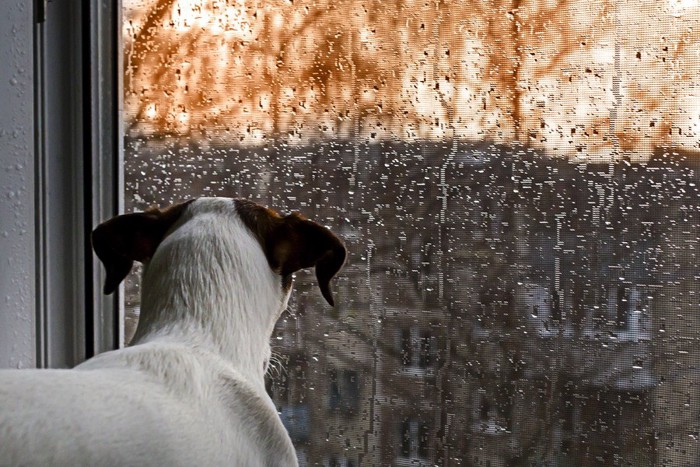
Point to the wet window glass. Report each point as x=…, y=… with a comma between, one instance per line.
x=516, y=182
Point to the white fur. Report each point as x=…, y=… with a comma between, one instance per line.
x=190, y=390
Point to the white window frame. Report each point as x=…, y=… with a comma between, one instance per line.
x=66, y=157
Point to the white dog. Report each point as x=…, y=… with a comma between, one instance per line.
x=190, y=389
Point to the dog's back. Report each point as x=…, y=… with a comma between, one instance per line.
x=71, y=417
x=173, y=409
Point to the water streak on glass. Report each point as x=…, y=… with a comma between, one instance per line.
x=517, y=185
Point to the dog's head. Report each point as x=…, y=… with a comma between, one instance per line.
x=289, y=243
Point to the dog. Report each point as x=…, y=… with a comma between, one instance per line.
x=190, y=388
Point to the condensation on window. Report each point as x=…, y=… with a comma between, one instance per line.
x=517, y=185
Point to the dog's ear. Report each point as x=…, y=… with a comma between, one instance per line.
x=124, y=239
x=292, y=243
x=298, y=243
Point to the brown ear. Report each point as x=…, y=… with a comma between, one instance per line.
x=299, y=243
x=124, y=239
x=292, y=243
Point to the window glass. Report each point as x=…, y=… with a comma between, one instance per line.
x=517, y=185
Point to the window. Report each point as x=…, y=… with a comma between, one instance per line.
x=414, y=436
x=339, y=461
x=517, y=184
x=58, y=149
x=425, y=352
x=344, y=391
x=406, y=348
x=416, y=350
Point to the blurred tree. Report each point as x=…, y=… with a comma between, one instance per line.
x=533, y=71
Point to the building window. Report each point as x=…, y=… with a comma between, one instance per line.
x=406, y=348
x=415, y=439
x=622, y=307
x=344, y=391
x=339, y=461
x=417, y=349
x=425, y=350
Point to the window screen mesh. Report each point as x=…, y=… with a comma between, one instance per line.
x=516, y=182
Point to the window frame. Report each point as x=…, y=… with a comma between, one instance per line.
x=77, y=178
x=105, y=155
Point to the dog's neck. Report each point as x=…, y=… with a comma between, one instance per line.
x=210, y=286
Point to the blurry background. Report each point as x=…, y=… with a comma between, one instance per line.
x=516, y=182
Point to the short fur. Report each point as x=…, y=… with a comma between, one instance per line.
x=190, y=389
